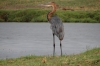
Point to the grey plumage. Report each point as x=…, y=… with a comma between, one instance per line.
x=57, y=27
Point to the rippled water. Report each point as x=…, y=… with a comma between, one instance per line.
x=21, y=39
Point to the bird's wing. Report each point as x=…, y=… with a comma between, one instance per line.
x=56, y=24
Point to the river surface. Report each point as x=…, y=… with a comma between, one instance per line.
x=22, y=39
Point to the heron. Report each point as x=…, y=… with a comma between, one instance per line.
x=57, y=26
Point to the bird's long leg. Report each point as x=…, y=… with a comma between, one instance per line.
x=61, y=47
x=53, y=44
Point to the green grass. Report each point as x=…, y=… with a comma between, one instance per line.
x=37, y=15
x=88, y=58
x=74, y=4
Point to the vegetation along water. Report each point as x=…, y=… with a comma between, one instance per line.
x=68, y=10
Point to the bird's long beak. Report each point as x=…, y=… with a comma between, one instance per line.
x=45, y=5
x=48, y=5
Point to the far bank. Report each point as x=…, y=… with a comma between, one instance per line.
x=38, y=15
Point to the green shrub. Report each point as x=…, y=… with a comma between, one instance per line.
x=1, y=20
x=4, y=15
x=36, y=15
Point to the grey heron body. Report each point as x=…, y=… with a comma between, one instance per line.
x=58, y=30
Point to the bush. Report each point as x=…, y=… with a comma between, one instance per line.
x=4, y=15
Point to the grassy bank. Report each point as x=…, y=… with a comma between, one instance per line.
x=39, y=15
x=87, y=5
x=88, y=58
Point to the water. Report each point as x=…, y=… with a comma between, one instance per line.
x=22, y=39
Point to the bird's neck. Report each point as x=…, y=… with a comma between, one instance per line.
x=51, y=13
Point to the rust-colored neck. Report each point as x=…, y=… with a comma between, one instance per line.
x=51, y=12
